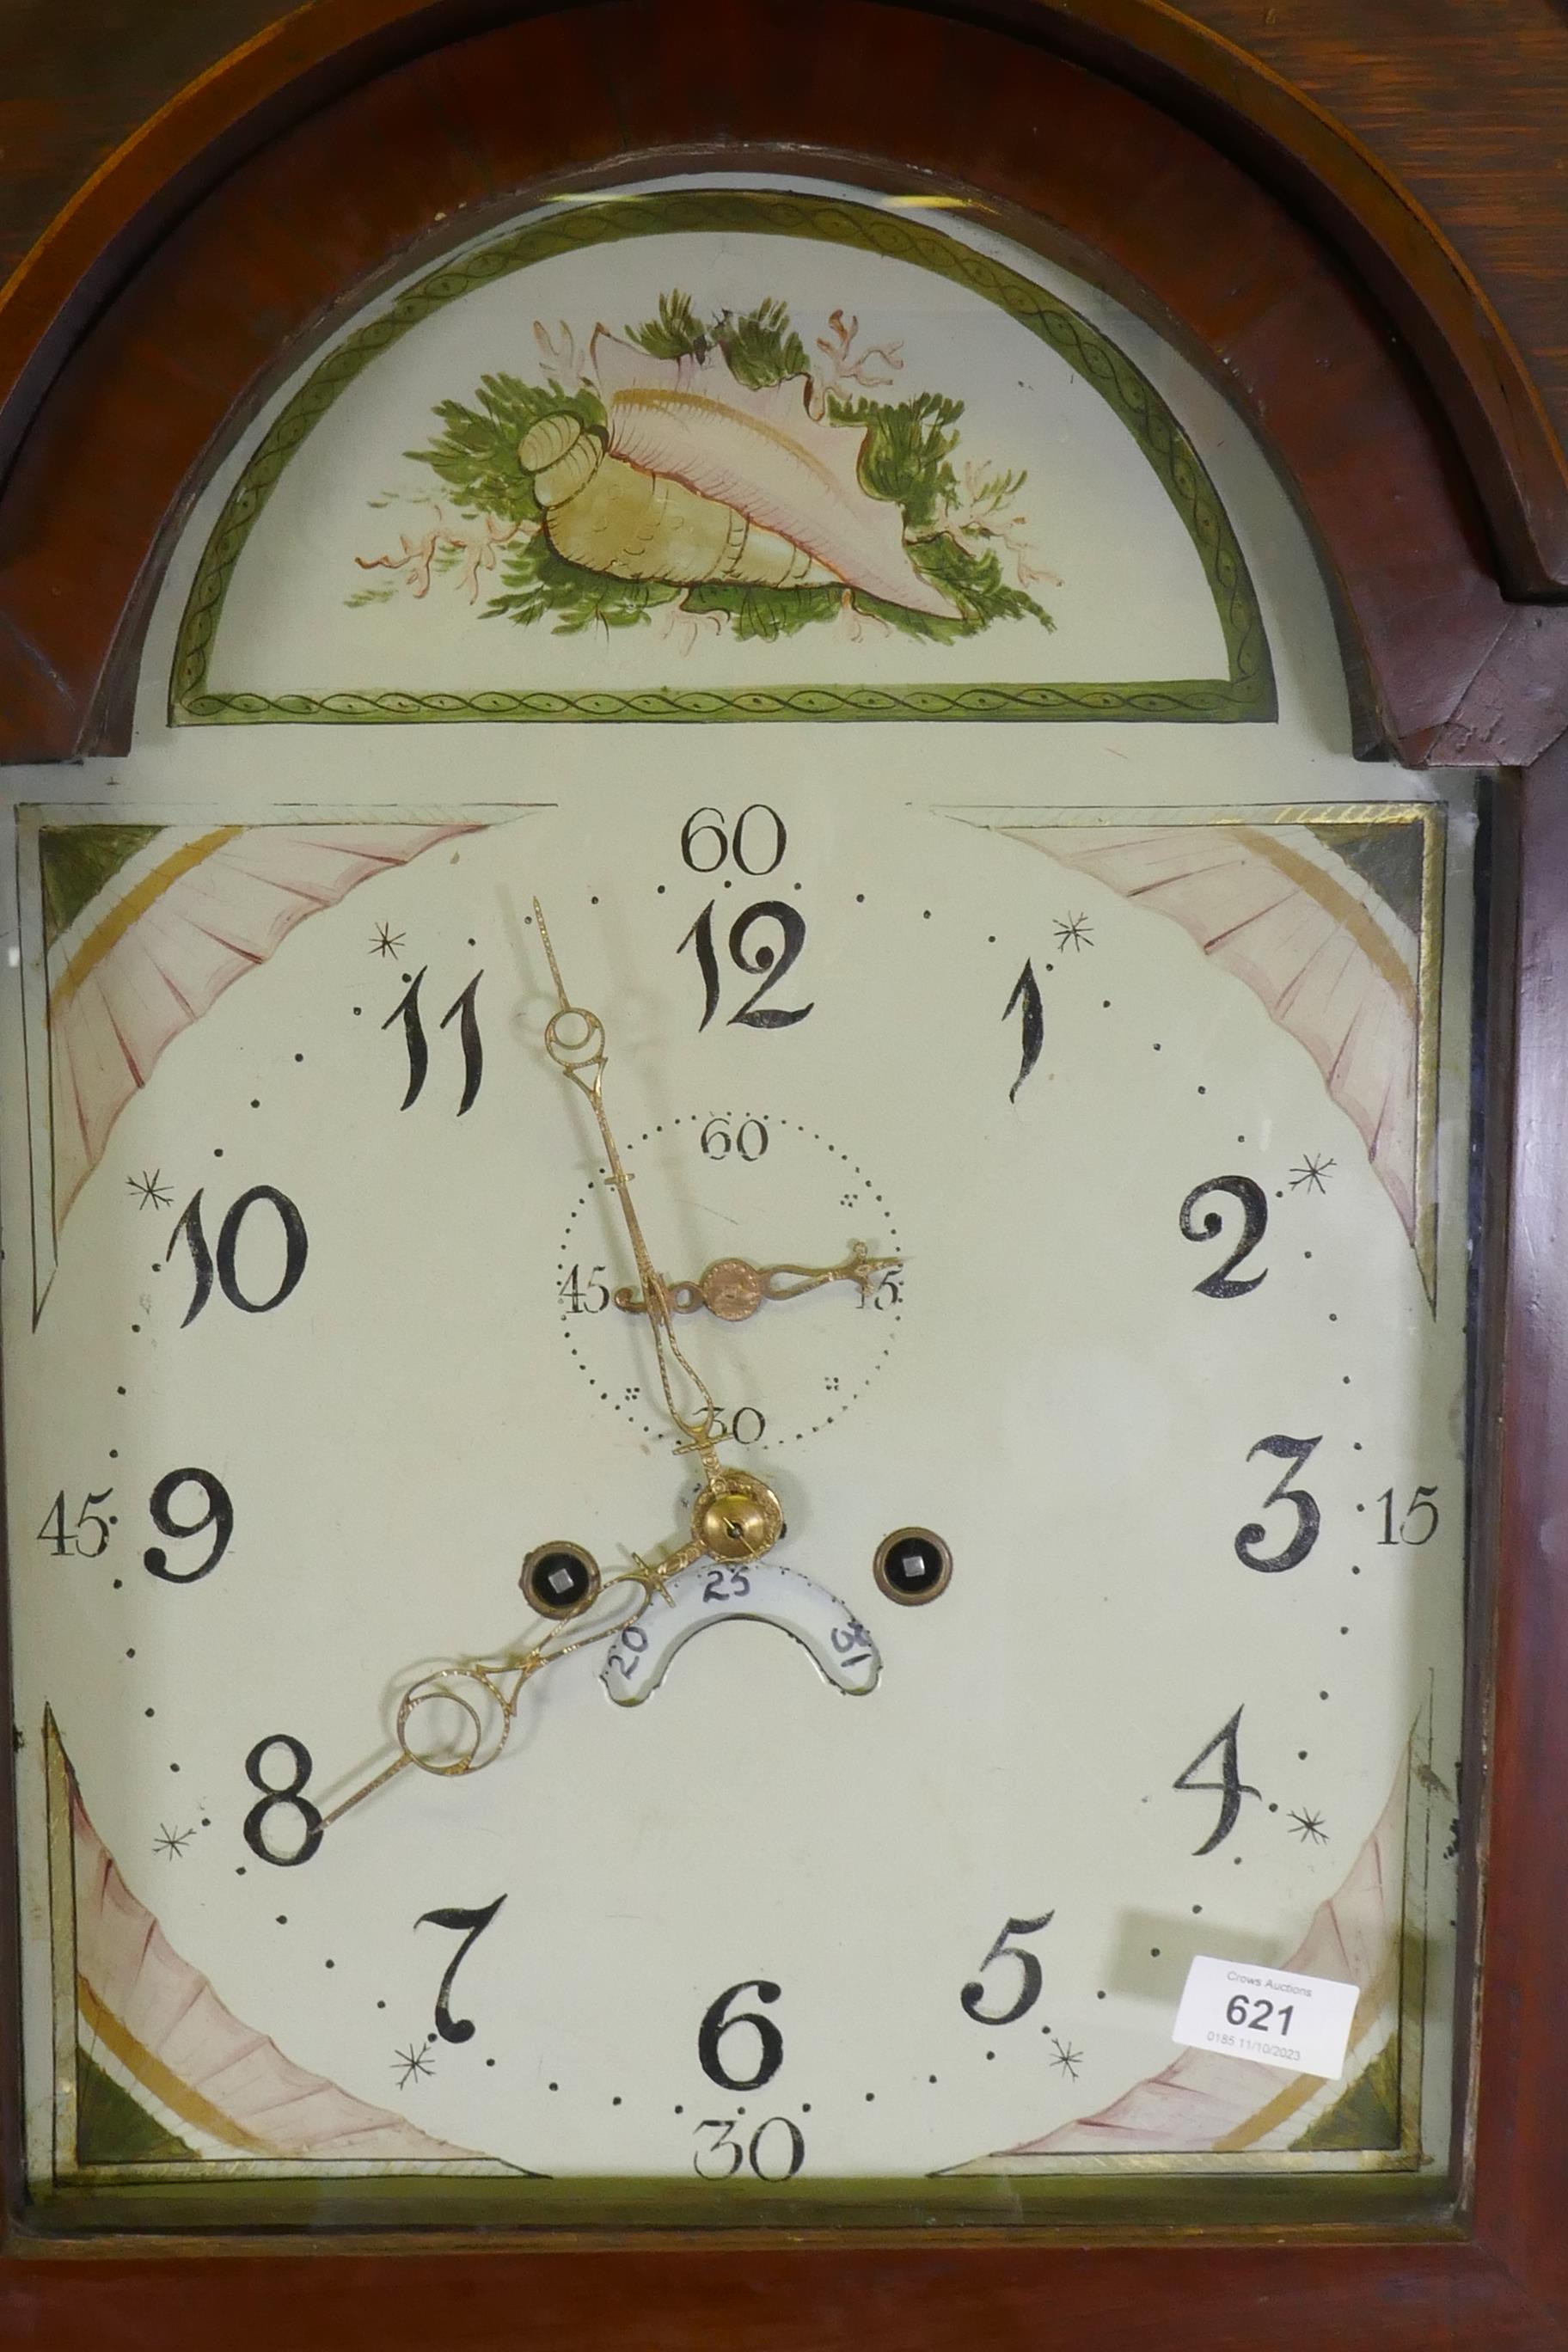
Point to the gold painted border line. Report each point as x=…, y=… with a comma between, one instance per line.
x=135, y=904
x=1414, y=1972
x=160, y=2081
x=1429, y=1030
x=1337, y=903
x=60, y=1855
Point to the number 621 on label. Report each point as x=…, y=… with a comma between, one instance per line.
x=1276, y=2017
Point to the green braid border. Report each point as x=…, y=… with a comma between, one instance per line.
x=1248, y=694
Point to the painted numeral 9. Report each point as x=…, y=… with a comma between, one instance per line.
x=219, y=1516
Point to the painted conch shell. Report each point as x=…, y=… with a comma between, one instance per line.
x=701, y=477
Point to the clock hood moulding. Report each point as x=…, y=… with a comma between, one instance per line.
x=1374, y=496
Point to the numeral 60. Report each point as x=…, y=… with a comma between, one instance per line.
x=768, y=827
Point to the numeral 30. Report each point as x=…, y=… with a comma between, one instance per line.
x=723, y=2157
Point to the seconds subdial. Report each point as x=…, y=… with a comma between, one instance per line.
x=782, y=1249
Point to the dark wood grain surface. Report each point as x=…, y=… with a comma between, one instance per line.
x=240, y=286
x=1521, y=2144
x=1466, y=100
x=1179, y=2299
x=385, y=175
x=1463, y=104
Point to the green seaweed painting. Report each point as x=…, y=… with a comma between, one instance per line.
x=711, y=472
x=719, y=474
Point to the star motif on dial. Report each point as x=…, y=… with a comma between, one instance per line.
x=150, y=1189
x=1067, y=2060
x=1074, y=931
x=1308, y=1828
x=172, y=1842
x=386, y=943
x=1310, y=1173
x=409, y=2063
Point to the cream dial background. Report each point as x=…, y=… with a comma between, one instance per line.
x=1062, y=1406
x=1060, y=1403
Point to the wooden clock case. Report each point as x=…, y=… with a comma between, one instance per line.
x=340, y=146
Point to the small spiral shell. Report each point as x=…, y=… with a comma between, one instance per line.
x=609, y=516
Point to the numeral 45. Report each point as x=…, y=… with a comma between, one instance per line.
x=56, y=1533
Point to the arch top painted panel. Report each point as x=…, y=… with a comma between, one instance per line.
x=715, y=451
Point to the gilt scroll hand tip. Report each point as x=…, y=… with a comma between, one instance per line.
x=544, y=929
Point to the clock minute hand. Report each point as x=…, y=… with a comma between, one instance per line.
x=737, y=1516
x=486, y=1691
x=582, y=1059
x=734, y=1519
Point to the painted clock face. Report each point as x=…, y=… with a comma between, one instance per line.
x=697, y=1575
